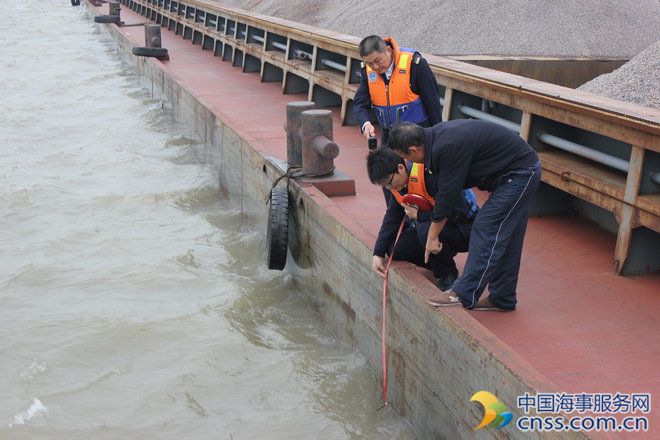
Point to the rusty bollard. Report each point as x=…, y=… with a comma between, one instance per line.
x=293, y=131
x=113, y=15
x=114, y=8
x=152, y=43
x=318, y=149
x=152, y=35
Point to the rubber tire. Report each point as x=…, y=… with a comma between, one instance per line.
x=157, y=52
x=277, y=238
x=106, y=19
x=75, y=2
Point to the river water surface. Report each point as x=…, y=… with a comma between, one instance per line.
x=135, y=302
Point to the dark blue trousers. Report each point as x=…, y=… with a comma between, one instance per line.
x=454, y=238
x=497, y=239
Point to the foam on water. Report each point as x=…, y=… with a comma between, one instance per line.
x=36, y=409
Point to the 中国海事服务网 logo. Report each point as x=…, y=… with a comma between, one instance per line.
x=496, y=414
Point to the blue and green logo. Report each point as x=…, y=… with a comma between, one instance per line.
x=496, y=414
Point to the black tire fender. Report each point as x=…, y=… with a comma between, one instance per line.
x=277, y=237
x=106, y=19
x=157, y=52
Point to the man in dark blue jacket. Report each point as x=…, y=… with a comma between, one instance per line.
x=397, y=84
x=466, y=153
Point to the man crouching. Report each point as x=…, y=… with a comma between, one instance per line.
x=401, y=178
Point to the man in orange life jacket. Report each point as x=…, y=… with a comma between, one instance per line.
x=388, y=170
x=397, y=84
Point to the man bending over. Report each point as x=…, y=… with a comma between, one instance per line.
x=464, y=153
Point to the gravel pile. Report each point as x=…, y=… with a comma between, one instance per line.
x=637, y=81
x=564, y=28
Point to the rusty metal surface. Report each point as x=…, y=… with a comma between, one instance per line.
x=566, y=72
x=293, y=130
x=585, y=173
x=318, y=149
x=114, y=8
x=152, y=37
x=644, y=118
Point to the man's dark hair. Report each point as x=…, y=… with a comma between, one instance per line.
x=381, y=163
x=405, y=134
x=371, y=44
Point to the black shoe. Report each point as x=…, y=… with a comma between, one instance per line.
x=445, y=282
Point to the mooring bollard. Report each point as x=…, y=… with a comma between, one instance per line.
x=152, y=43
x=318, y=149
x=152, y=35
x=114, y=8
x=293, y=131
x=113, y=15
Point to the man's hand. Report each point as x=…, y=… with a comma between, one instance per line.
x=378, y=265
x=411, y=210
x=369, y=130
x=433, y=245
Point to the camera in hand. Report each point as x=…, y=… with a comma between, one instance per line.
x=373, y=143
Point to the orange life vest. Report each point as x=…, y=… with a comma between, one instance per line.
x=416, y=184
x=395, y=102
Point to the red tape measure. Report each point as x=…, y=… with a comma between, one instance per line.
x=417, y=200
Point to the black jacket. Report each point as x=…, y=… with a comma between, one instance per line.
x=395, y=213
x=464, y=153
